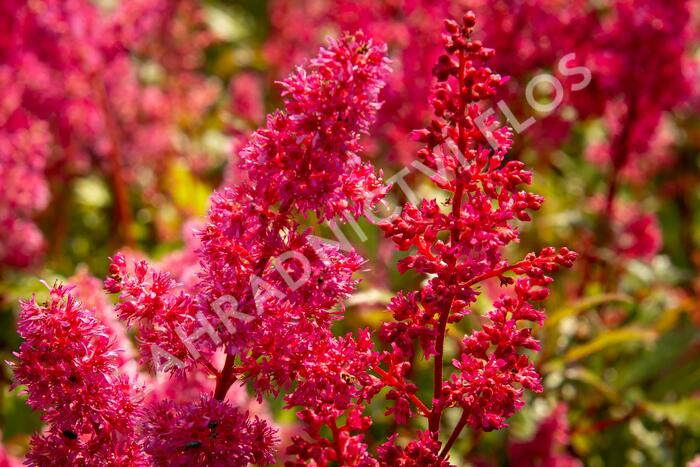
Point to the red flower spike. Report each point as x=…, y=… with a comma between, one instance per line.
x=488, y=377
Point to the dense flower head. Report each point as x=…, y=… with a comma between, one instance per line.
x=70, y=369
x=267, y=291
x=336, y=376
x=307, y=157
x=492, y=373
x=279, y=285
x=206, y=432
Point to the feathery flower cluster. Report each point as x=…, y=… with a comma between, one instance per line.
x=460, y=249
x=267, y=290
x=148, y=301
x=306, y=158
x=70, y=368
x=77, y=368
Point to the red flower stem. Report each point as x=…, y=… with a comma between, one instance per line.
x=337, y=443
x=619, y=160
x=121, y=199
x=494, y=273
x=225, y=379
x=412, y=397
x=455, y=434
x=436, y=414
x=212, y=369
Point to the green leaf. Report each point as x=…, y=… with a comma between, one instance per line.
x=583, y=305
x=650, y=365
x=684, y=413
x=609, y=339
x=586, y=376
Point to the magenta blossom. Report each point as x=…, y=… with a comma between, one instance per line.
x=70, y=369
x=206, y=432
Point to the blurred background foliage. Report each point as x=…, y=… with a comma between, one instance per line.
x=621, y=349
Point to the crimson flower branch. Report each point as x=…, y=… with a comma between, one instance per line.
x=462, y=247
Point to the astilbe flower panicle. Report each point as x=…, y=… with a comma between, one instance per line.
x=69, y=367
x=305, y=160
x=463, y=247
x=281, y=324
x=77, y=366
x=276, y=331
